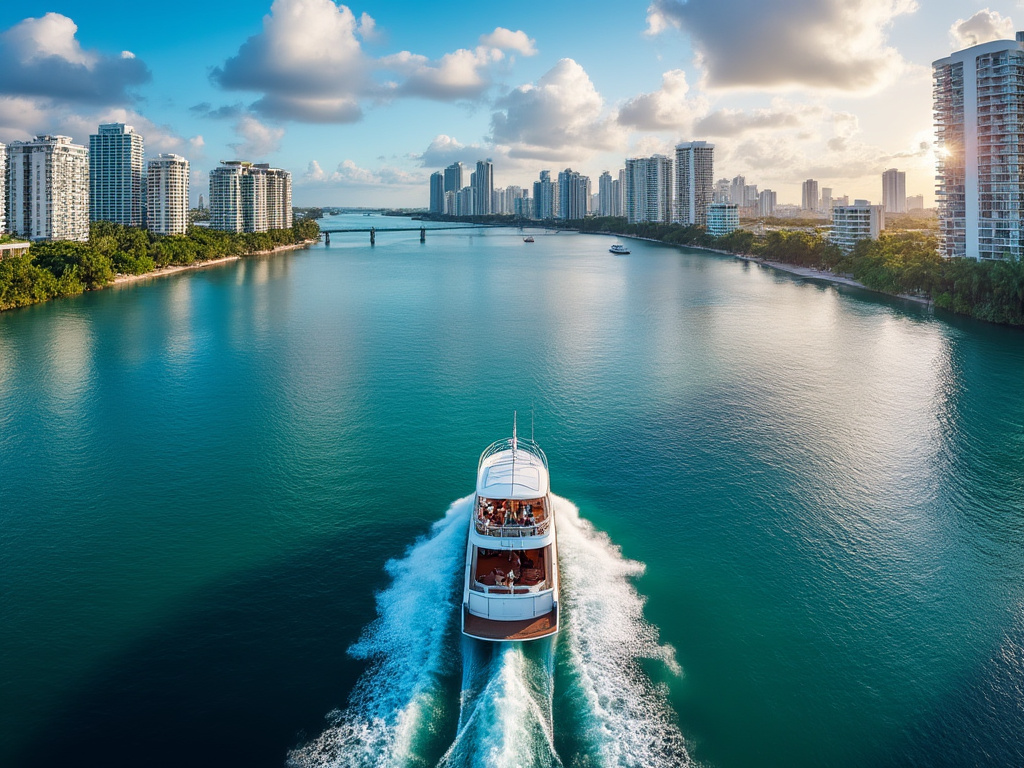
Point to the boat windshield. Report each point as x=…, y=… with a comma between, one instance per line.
x=512, y=517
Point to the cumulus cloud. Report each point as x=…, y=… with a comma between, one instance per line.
x=257, y=139
x=507, y=40
x=41, y=57
x=729, y=123
x=307, y=62
x=829, y=44
x=665, y=109
x=983, y=27
x=351, y=174
x=559, y=117
x=462, y=74
x=445, y=150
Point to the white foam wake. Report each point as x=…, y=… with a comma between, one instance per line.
x=396, y=698
x=505, y=719
x=625, y=717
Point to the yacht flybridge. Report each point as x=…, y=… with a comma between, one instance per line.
x=511, y=590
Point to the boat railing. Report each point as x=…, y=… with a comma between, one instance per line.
x=476, y=586
x=522, y=444
x=513, y=531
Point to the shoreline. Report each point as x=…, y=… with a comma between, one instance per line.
x=794, y=269
x=177, y=268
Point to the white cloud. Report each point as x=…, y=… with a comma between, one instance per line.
x=983, y=27
x=665, y=109
x=462, y=74
x=258, y=139
x=828, y=44
x=308, y=62
x=507, y=40
x=445, y=150
x=558, y=118
x=349, y=174
x=42, y=58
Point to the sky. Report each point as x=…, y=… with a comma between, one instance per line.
x=363, y=102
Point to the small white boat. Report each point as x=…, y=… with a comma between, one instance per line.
x=528, y=239
x=511, y=588
x=620, y=249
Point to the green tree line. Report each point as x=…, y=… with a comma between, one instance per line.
x=62, y=268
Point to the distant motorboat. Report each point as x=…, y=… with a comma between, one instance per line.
x=528, y=239
x=620, y=249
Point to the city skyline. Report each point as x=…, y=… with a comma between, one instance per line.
x=362, y=103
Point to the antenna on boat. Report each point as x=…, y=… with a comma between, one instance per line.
x=515, y=444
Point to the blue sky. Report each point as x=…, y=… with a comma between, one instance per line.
x=361, y=103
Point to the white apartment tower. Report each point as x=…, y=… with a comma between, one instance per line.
x=859, y=221
x=649, y=189
x=809, y=195
x=604, y=194
x=437, y=192
x=695, y=182
x=48, y=189
x=250, y=197
x=484, y=186
x=894, y=191
x=573, y=194
x=115, y=175
x=978, y=98
x=167, y=195
x=3, y=189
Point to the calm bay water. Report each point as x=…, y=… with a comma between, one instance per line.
x=791, y=525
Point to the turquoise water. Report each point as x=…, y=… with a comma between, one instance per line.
x=231, y=514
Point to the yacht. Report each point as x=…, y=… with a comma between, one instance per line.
x=619, y=248
x=511, y=588
x=528, y=239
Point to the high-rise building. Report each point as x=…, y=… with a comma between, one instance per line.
x=826, y=199
x=695, y=179
x=115, y=175
x=250, y=197
x=202, y=203
x=723, y=218
x=978, y=98
x=809, y=196
x=437, y=192
x=573, y=194
x=737, y=191
x=766, y=202
x=915, y=202
x=544, y=197
x=604, y=194
x=721, y=193
x=167, y=195
x=48, y=189
x=859, y=221
x=3, y=189
x=894, y=191
x=484, y=185
x=453, y=177
x=649, y=189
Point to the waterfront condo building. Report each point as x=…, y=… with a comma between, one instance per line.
x=695, y=182
x=604, y=194
x=545, y=199
x=453, y=177
x=250, y=197
x=437, y=192
x=649, y=189
x=573, y=194
x=48, y=189
x=3, y=189
x=859, y=221
x=723, y=218
x=894, y=191
x=809, y=195
x=483, y=184
x=978, y=98
x=115, y=175
x=766, y=202
x=167, y=195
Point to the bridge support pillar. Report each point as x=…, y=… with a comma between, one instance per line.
x=327, y=238
x=373, y=235
x=423, y=234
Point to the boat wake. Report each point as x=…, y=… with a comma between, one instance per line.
x=506, y=704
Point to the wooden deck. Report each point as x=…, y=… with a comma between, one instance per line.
x=527, y=629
